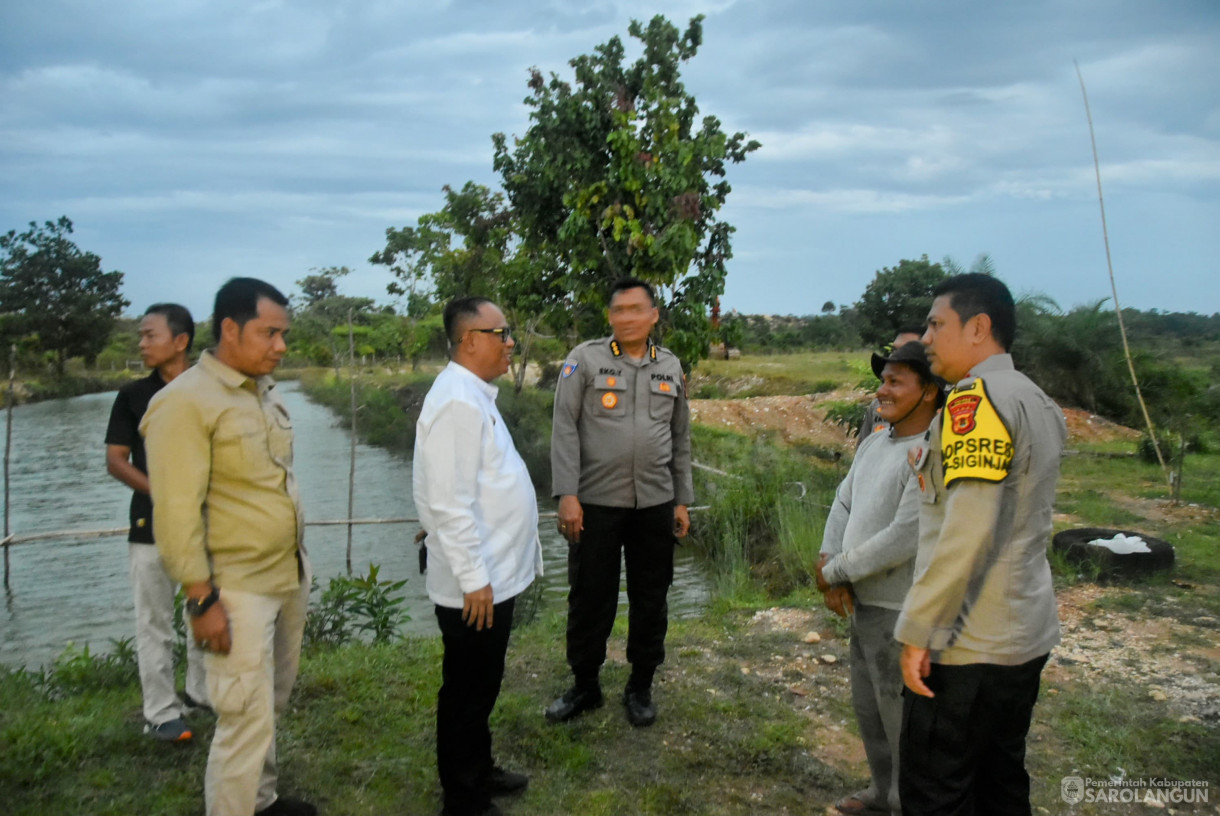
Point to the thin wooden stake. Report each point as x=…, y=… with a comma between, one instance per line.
x=351, y=469
x=8, y=447
x=1122, y=329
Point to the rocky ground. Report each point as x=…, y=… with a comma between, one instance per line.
x=1176, y=663
x=1169, y=652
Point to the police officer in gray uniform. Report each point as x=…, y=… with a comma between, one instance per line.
x=980, y=618
x=621, y=463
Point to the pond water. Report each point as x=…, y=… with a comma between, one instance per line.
x=77, y=591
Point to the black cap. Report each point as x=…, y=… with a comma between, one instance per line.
x=910, y=354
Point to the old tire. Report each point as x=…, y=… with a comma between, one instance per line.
x=1075, y=547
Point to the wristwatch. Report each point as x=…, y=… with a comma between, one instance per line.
x=197, y=606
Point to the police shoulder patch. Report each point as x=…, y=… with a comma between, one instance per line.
x=975, y=442
x=568, y=368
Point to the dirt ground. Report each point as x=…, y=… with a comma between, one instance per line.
x=1173, y=658
x=802, y=419
x=1176, y=662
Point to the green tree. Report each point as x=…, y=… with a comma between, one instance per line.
x=51, y=289
x=897, y=298
x=615, y=177
x=322, y=311
x=322, y=283
x=732, y=333
x=471, y=247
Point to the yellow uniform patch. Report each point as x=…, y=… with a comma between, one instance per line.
x=609, y=399
x=975, y=442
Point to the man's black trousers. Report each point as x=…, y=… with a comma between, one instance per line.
x=471, y=674
x=962, y=752
x=644, y=537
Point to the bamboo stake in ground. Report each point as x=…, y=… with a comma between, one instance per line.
x=351, y=468
x=8, y=446
x=1122, y=329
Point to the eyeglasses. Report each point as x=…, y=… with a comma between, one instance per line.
x=505, y=332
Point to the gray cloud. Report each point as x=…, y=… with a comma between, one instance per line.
x=210, y=138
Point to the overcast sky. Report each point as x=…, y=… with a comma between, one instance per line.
x=193, y=140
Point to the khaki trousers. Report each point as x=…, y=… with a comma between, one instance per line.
x=153, y=595
x=248, y=688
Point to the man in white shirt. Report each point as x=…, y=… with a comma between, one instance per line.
x=476, y=500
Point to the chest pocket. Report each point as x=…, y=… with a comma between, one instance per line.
x=279, y=434
x=662, y=394
x=239, y=442
x=610, y=393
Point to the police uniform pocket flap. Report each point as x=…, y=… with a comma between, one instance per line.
x=666, y=388
x=610, y=382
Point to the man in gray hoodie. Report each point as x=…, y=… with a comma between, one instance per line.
x=868, y=557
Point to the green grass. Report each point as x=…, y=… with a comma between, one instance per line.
x=780, y=374
x=358, y=738
x=1092, y=731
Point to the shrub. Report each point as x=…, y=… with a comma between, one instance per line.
x=351, y=607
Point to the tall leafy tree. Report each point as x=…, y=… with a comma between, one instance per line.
x=472, y=247
x=53, y=290
x=617, y=176
x=897, y=298
x=321, y=284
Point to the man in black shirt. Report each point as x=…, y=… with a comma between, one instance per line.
x=166, y=334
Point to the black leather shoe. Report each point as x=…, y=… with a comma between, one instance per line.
x=287, y=806
x=503, y=783
x=640, y=710
x=574, y=701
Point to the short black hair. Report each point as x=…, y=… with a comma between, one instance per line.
x=974, y=294
x=458, y=311
x=238, y=300
x=178, y=318
x=623, y=284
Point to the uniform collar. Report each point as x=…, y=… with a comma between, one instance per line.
x=996, y=362
x=617, y=350
x=232, y=377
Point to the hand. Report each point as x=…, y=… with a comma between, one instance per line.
x=823, y=584
x=211, y=629
x=916, y=665
x=571, y=518
x=478, y=608
x=681, y=521
x=838, y=599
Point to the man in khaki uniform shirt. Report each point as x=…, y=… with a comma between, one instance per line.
x=229, y=527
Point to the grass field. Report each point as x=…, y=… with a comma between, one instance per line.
x=754, y=718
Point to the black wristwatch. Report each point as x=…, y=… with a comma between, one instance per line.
x=195, y=608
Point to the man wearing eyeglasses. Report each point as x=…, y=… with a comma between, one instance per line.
x=476, y=500
x=621, y=463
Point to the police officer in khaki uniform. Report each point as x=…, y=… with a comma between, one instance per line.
x=621, y=463
x=980, y=618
